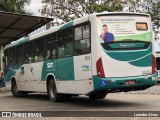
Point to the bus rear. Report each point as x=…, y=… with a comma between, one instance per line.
x=124, y=57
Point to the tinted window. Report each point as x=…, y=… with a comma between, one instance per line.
x=39, y=50
x=82, y=45
x=12, y=56
x=28, y=56
x=51, y=46
x=65, y=44
x=86, y=31
x=19, y=54
x=78, y=33
x=7, y=53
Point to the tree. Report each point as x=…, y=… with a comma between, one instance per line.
x=66, y=10
x=151, y=7
x=16, y=6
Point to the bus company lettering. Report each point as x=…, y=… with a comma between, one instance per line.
x=50, y=65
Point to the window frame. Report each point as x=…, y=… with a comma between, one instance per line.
x=82, y=24
x=36, y=40
x=16, y=63
x=11, y=50
x=32, y=43
x=7, y=64
x=62, y=31
x=56, y=40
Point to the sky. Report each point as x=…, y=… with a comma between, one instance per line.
x=34, y=6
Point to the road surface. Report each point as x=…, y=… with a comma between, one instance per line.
x=133, y=101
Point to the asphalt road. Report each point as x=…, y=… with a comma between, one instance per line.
x=113, y=102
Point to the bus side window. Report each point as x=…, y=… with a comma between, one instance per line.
x=6, y=53
x=51, y=44
x=65, y=44
x=12, y=56
x=60, y=49
x=82, y=44
x=39, y=50
x=28, y=49
x=19, y=54
x=78, y=33
x=69, y=43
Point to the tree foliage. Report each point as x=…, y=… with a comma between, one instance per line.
x=151, y=7
x=16, y=6
x=66, y=10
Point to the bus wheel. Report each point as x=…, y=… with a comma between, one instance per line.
x=52, y=92
x=97, y=96
x=15, y=91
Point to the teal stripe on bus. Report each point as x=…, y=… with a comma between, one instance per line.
x=62, y=68
x=11, y=71
x=67, y=25
x=19, y=42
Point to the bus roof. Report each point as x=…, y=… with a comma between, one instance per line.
x=121, y=13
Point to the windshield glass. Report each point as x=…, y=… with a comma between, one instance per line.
x=124, y=28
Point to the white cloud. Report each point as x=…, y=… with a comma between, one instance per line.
x=34, y=7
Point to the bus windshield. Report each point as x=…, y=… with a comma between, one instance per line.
x=122, y=29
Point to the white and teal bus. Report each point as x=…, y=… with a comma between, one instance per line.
x=94, y=55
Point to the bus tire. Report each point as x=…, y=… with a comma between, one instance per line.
x=52, y=92
x=15, y=91
x=97, y=96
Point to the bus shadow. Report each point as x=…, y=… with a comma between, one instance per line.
x=103, y=103
x=84, y=101
x=39, y=97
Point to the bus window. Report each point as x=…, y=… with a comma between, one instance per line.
x=65, y=44
x=12, y=56
x=78, y=33
x=19, y=54
x=6, y=53
x=85, y=31
x=28, y=56
x=39, y=50
x=82, y=46
x=51, y=44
